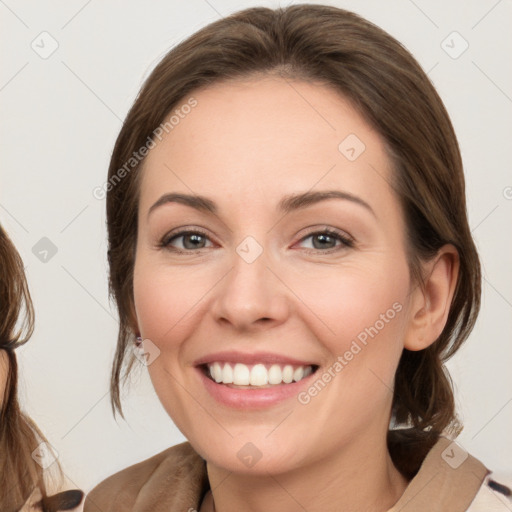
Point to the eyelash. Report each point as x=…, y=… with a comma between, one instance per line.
x=346, y=242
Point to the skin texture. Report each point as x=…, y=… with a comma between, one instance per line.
x=246, y=145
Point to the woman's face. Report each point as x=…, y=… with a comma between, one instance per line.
x=258, y=289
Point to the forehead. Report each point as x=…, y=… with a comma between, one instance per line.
x=250, y=140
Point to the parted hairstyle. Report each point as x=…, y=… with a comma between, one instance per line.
x=384, y=83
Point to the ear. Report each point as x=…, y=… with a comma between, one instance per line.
x=430, y=304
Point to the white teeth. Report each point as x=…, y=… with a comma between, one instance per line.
x=241, y=374
x=298, y=373
x=227, y=374
x=257, y=375
x=275, y=375
x=287, y=374
x=216, y=372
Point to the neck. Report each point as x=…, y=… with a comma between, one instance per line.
x=359, y=477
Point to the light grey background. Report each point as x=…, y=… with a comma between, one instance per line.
x=60, y=116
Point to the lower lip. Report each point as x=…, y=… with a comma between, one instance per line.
x=253, y=398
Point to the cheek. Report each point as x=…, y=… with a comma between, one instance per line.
x=164, y=300
x=360, y=322
x=356, y=303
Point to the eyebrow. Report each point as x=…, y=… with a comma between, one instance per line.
x=286, y=205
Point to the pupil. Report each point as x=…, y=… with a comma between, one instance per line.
x=322, y=237
x=193, y=237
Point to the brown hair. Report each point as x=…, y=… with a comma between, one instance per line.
x=20, y=474
x=389, y=89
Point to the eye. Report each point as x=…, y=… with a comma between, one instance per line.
x=190, y=240
x=326, y=240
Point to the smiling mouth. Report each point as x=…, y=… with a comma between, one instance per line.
x=256, y=376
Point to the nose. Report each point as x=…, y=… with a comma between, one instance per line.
x=251, y=296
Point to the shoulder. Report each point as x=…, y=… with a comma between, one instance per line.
x=494, y=495
x=70, y=499
x=450, y=478
x=175, y=475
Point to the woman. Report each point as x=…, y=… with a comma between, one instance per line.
x=23, y=482
x=288, y=243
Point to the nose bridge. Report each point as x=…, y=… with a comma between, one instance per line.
x=250, y=291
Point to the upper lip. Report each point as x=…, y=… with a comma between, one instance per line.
x=250, y=358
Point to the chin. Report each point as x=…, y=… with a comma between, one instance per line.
x=251, y=453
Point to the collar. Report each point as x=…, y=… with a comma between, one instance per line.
x=447, y=481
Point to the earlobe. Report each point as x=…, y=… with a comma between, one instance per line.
x=430, y=304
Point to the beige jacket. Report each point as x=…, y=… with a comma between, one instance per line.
x=175, y=480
